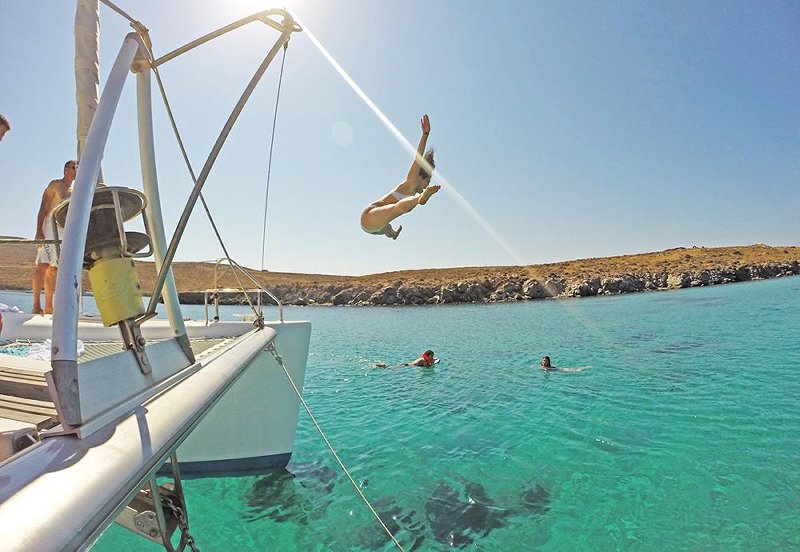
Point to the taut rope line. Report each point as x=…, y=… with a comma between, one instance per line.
x=146, y=39
x=271, y=348
x=269, y=164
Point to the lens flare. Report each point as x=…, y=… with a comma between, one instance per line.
x=483, y=223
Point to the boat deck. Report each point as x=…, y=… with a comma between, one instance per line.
x=24, y=396
x=41, y=414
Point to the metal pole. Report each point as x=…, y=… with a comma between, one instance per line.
x=260, y=16
x=212, y=157
x=155, y=219
x=70, y=270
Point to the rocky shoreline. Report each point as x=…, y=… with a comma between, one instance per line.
x=676, y=268
x=506, y=289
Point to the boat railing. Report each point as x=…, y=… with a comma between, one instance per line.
x=213, y=294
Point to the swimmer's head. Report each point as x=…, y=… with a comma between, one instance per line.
x=428, y=356
x=545, y=362
x=423, y=173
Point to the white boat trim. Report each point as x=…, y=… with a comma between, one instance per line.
x=84, y=483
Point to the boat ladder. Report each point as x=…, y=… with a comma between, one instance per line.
x=157, y=520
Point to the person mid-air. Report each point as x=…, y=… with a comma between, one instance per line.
x=415, y=190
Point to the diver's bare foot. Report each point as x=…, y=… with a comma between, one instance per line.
x=427, y=193
x=397, y=232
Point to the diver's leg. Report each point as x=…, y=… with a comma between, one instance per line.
x=427, y=193
x=378, y=216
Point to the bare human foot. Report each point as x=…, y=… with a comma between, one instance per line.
x=427, y=193
x=397, y=232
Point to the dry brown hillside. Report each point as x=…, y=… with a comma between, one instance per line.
x=691, y=266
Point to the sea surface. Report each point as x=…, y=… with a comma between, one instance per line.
x=683, y=434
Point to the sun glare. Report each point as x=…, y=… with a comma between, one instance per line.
x=403, y=141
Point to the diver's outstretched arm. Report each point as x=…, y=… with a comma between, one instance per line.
x=425, y=123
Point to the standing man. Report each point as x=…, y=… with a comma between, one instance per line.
x=47, y=255
x=5, y=126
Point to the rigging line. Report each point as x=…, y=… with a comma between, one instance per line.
x=119, y=11
x=271, y=348
x=269, y=164
x=182, y=147
x=194, y=179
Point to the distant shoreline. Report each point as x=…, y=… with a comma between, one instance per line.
x=505, y=291
x=664, y=270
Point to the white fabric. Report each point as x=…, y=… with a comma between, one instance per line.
x=7, y=308
x=87, y=65
x=41, y=351
x=48, y=254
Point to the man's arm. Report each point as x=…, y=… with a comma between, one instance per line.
x=423, y=140
x=47, y=198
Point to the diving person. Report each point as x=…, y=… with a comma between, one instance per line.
x=415, y=190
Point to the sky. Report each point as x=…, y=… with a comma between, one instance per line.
x=562, y=130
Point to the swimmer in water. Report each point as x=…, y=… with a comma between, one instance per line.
x=545, y=365
x=425, y=361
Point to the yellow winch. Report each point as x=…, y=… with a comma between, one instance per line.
x=116, y=289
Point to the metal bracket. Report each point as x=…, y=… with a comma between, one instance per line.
x=186, y=347
x=135, y=341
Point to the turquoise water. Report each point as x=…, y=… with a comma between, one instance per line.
x=684, y=433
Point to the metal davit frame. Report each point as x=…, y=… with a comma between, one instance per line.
x=80, y=400
x=121, y=421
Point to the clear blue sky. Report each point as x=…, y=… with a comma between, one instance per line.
x=575, y=129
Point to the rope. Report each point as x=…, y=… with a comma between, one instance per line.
x=119, y=11
x=194, y=180
x=271, y=348
x=269, y=165
x=143, y=32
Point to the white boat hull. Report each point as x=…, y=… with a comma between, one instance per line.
x=253, y=425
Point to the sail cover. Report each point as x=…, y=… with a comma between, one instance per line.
x=87, y=65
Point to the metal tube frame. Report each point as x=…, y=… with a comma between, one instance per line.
x=263, y=16
x=153, y=215
x=70, y=271
x=287, y=29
